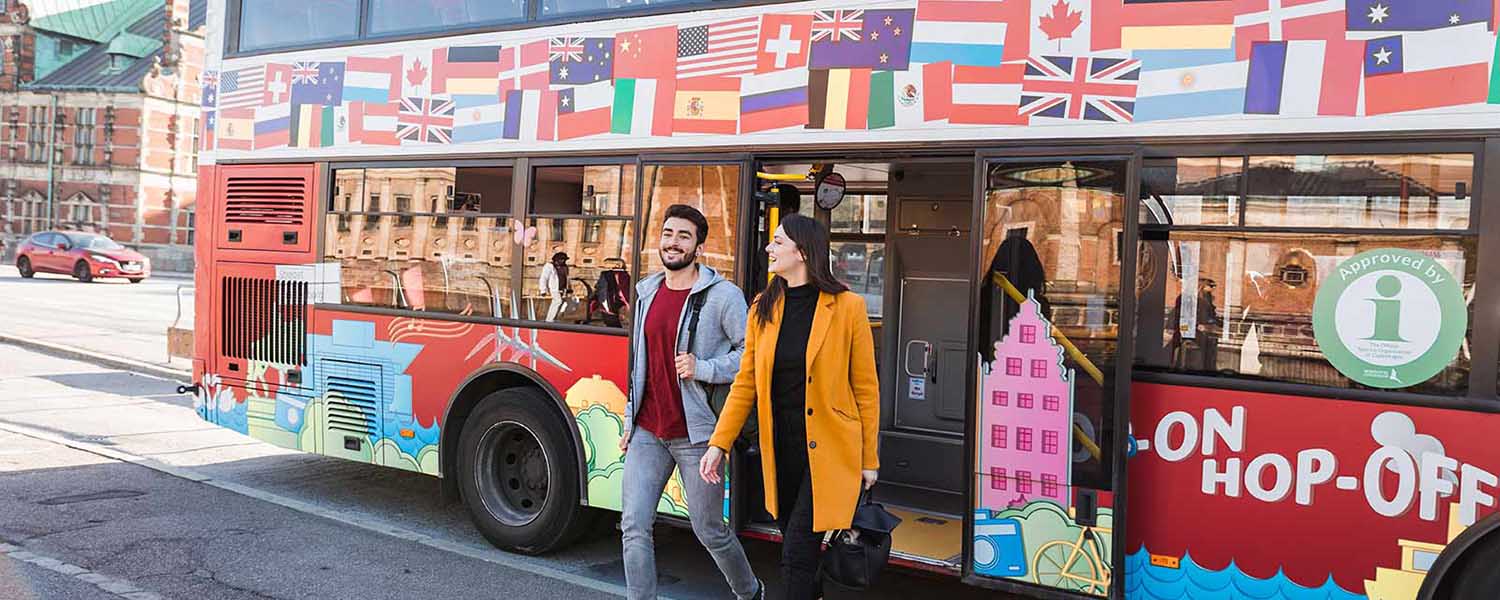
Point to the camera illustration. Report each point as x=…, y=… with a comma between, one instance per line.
x=999, y=550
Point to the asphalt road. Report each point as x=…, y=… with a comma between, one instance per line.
x=112, y=473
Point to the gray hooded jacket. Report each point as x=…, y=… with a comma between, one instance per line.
x=718, y=346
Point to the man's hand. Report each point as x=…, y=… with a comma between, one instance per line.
x=687, y=365
x=625, y=442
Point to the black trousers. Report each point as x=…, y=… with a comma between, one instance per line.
x=801, y=548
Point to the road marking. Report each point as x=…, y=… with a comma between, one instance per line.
x=112, y=585
x=369, y=524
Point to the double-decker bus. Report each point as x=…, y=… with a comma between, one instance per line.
x=1172, y=299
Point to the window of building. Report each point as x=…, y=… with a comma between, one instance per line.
x=1023, y=482
x=1049, y=485
x=1051, y=403
x=118, y=63
x=1013, y=366
x=36, y=134
x=1038, y=368
x=83, y=137
x=1000, y=398
x=1028, y=334
x=998, y=479
x=1234, y=296
x=401, y=16
x=402, y=257
x=1025, y=400
x=1023, y=439
x=997, y=436
x=278, y=23
x=1049, y=441
x=193, y=148
x=577, y=265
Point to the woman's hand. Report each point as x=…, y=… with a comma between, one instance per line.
x=870, y=475
x=708, y=466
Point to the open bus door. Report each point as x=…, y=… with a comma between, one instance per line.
x=1051, y=354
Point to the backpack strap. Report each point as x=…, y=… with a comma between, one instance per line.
x=696, y=305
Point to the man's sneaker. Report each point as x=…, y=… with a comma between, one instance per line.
x=760, y=590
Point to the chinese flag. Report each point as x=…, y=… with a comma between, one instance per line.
x=646, y=54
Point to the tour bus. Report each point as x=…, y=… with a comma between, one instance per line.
x=1172, y=298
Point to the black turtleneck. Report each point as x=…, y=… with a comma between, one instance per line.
x=789, y=376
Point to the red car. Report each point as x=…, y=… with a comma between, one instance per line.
x=82, y=255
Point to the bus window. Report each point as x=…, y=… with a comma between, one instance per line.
x=399, y=16
x=712, y=189
x=1238, y=302
x=576, y=263
x=394, y=235
x=1192, y=191
x=274, y=23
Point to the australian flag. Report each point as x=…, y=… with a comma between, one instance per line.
x=1415, y=15
x=578, y=61
x=319, y=83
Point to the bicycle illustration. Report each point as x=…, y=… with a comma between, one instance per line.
x=1081, y=565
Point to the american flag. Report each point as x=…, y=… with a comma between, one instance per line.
x=425, y=120
x=305, y=72
x=727, y=48
x=242, y=88
x=1080, y=88
x=835, y=25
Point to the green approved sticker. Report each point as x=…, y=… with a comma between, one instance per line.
x=1390, y=318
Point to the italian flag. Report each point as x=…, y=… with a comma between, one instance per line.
x=642, y=107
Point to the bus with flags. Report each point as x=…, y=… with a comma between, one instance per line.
x=1171, y=298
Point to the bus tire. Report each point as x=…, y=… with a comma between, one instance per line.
x=517, y=474
x=1478, y=579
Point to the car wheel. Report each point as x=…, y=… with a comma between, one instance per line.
x=82, y=273
x=518, y=474
x=137, y=280
x=23, y=265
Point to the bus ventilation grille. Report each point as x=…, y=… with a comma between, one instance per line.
x=265, y=200
x=351, y=393
x=265, y=320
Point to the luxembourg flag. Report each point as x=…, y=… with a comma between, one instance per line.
x=376, y=80
x=642, y=107
x=978, y=33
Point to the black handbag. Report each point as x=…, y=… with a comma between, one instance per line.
x=856, y=555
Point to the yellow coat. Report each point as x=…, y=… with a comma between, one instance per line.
x=843, y=400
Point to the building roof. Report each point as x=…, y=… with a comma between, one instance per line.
x=96, y=21
x=138, y=38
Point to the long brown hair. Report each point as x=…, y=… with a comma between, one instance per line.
x=811, y=238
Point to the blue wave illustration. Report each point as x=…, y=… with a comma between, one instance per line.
x=1145, y=581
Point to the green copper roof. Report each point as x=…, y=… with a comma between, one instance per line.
x=133, y=45
x=93, y=20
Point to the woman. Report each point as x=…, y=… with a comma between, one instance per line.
x=808, y=370
x=553, y=284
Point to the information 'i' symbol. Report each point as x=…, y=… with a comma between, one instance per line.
x=1387, y=310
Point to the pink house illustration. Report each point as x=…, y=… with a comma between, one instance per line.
x=1026, y=408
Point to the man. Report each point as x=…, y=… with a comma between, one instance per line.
x=553, y=284
x=668, y=419
x=1209, y=326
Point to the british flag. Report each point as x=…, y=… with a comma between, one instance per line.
x=836, y=25
x=427, y=120
x=565, y=49
x=305, y=73
x=1080, y=88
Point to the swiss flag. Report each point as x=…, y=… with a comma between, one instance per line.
x=646, y=54
x=783, y=42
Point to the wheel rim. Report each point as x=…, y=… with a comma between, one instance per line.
x=23, y=265
x=80, y=271
x=512, y=473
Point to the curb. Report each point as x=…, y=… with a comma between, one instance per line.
x=98, y=358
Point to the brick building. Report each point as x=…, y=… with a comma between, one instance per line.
x=99, y=120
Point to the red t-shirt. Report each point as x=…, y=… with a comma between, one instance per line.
x=661, y=405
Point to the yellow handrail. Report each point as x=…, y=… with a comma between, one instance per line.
x=1073, y=351
x=780, y=176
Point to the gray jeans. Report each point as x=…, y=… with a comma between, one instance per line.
x=648, y=466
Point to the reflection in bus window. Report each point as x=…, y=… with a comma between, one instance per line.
x=273, y=23
x=859, y=213
x=1240, y=303
x=581, y=235
x=712, y=189
x=398, y=16
x=1192, y=191
x=417, y=258
x=861, y=266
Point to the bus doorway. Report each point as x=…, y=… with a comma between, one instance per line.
x=900, y=238
x=1051, y=374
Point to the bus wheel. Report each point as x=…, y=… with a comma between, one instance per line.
x=518, y=474
x=1478, y=579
